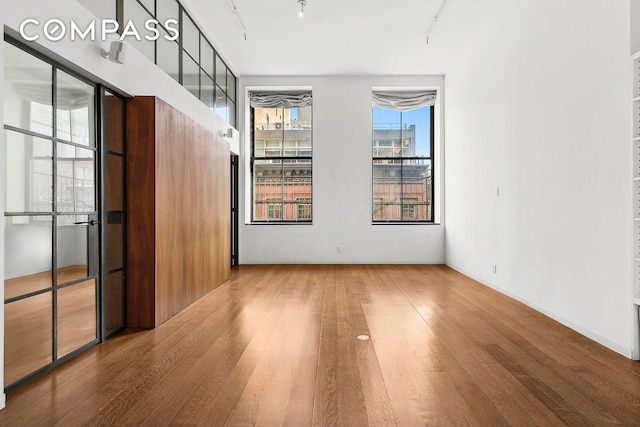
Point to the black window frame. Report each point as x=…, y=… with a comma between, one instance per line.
x=230, y=99
x=400, y=160
x=282, y=158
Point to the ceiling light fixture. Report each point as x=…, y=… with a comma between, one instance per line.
x=435, y=20
x=302, y=4
x=238, y=18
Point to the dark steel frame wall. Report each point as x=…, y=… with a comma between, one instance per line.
x=234, y=181
x=282, y=159
x=182, y=11
x=100, y=126
x=98, y=176
x=401, y=160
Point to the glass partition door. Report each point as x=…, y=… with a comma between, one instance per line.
x=51, y=219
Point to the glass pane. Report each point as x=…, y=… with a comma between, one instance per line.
x=297, y=131
x=190, y=37
x=167, y=9
x=268, y=119
x=72, y=255
x=28, y=254
x=207, y=56
x=28, y=89
x=136, y=13
x=75, y=110
x=387, y=133
x=221, y=74
x=221, y=104
x=416, y=132
x=231, y=109
x=75, y=179
x=206, y=91
x=387, y=190
x=76, y=316
x=169, y=56
x=28, y=336
x=267, y=190
x=113, y=118
x=190, y=75
x=149, y=4
x=416, y=190
x=114, y=182
x=100, y=8
x=297, y=190
x=114, y=241
x=114, y=301
x=29, y=170
x=231, y=83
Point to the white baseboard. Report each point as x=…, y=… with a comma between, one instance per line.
x=612, y=345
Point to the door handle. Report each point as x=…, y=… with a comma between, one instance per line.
x=92, y=222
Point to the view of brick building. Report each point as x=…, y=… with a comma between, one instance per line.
x=282, y=173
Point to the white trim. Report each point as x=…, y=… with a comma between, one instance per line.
x=438, y=145
x=245, y=144
x=612, y=345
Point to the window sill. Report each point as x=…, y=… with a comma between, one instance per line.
x=405, y=223
x=279, y=223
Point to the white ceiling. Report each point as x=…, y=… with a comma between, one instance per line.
x=341, y=37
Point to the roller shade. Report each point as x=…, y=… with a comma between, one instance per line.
x=405, y=100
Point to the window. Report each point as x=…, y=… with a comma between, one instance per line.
x=402, y=153
x=304, y=209
x=281, y=156
x=190, y=60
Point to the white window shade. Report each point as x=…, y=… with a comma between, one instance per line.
x=280, y=99
x=405, y=100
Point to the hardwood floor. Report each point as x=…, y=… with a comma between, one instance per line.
x=277, y=345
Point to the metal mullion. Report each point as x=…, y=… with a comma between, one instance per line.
x=282, y=159
x=54, y=228
x=401, y=188
x=28, y=295
x=401, y=168
x=100, y=189
x=199, y=64
x=120, y=15
x=145, y=7
x=431, y=156
x=27, y=132
x=76, y=281
x=181, y=44
x=12, y=214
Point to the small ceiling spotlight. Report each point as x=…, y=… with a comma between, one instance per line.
x=302, y=4
x=116, y=53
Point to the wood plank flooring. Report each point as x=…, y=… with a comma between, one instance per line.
x=276, y=345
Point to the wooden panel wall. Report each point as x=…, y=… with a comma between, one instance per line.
x=189, y=215
x=141, y=183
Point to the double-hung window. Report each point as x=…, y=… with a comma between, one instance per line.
x=402, y=152
x=281, y=156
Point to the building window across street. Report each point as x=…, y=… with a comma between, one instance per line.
x=402, y=156
x=281, y=156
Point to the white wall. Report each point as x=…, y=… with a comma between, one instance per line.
x=635, y=26
x=137, y=77
x=341, y=185
x=2, y=201
x=539, y=106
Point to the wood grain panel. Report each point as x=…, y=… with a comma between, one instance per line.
x=141, y=225
x=191, y=219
